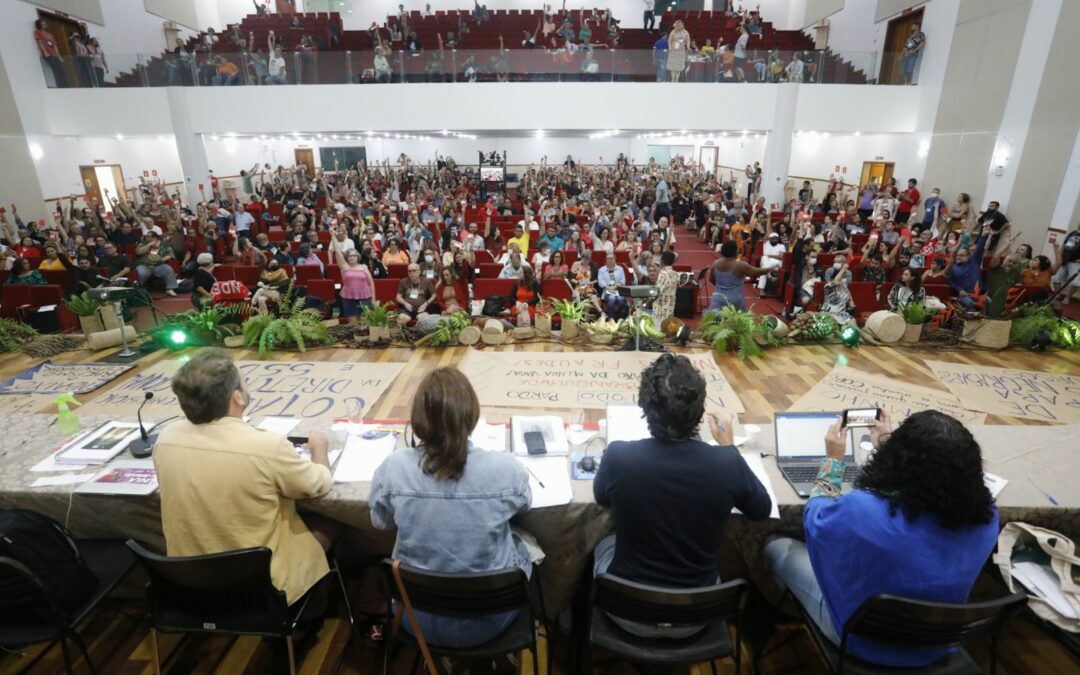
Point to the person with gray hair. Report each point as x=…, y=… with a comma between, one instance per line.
x=226, y=485
x=203, y=281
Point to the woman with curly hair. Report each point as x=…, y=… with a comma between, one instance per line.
x=920, y=524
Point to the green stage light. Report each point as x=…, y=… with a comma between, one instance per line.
x=850, y=336
x=177, y=338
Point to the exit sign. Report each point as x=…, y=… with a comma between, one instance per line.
x=99, y=161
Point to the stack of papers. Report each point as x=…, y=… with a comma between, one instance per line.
x=754, y=461
x=627, y=423
x=282, y=426
x=127, y=477
x=99, y=446
x=994, y=483
x=549, y=480
x=551, y=427
x=489, y=436
x=1044, y=584
x=62, y=479
x=362, y=455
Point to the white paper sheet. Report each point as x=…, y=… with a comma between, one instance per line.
x=50, y=464
x=994, y=483
x=554, y=473
x=1043, y=583
x=279, y=425
x=552, y=428
x=62, y=479
x=362, y=456
x=757, y=465
x=489, y=436
x=331, y=456
x=627, y=423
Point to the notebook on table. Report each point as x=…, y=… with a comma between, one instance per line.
x=800, y=447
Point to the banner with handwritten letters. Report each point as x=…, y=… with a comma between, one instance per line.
x=303, y=389
x=850, y=388
x=1029, y=394
x=55, y=378
x=578, y=379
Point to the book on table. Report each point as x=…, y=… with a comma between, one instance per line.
x=99, y=446
x=124, y=477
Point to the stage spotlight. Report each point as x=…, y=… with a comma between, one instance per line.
x=850, y=336
x=1040, y=341
x=177, y=339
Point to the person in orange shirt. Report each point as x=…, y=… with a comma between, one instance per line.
x=227, y=72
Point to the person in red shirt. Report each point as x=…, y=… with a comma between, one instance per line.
x=26, y=249
x=50, y=52
x=909, y=199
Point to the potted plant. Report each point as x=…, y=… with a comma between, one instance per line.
x=377, y=318
x=571, y=312
x=813, y=327
x=603, y=330
x=86, y=308
x=741, y=331
x=291, y=326
x=542, y=321
x=915, y=315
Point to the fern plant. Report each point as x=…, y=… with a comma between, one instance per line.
x=729, y=329
x=82, y=304
x=292, y=326
x=378, y=315
x=13, y=335
x=916, y=313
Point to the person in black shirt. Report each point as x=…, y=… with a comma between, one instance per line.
x=672, y=493
x=125, y=236
x=116, y=265
x=998, y=223
x=203, y=281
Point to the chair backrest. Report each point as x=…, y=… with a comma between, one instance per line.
x=489, y=270
x=386, y=290
x=305, y=273
x=227, y=592
x=927, y=625
x=397, y=271
x=322, y=289
x=642, y=603
x=23, y=600
x=249, y=274
x=462, y=595
x=557, y=289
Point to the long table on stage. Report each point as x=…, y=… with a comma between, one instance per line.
x=1038, y=461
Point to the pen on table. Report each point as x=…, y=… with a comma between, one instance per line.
x=1048, y=495
x=534, y=477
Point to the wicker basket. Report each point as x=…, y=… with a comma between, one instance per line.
x=91, y=324
x=570, y=329
x=469, y=335
x=886, y=326
x=524, y=333
x=542, y=323
x=601, y=338
x=912, y=332
x=989, y=333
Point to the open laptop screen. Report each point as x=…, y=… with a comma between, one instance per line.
x=802, y=435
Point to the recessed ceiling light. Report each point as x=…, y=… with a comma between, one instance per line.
x=119, y=137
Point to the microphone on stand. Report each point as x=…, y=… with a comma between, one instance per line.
x=142, y=447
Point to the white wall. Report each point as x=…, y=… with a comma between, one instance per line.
x=58, y=166
x=89, y=10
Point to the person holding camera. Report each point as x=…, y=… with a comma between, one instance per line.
x=919, y=524
x=1069, y=271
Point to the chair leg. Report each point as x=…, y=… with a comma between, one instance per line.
x=292, y=655
x=154, y=651
x=415, y=663
x=712, y=664
x=67, y=657
x=993, y=655
x=82, y=648
x=535, y=649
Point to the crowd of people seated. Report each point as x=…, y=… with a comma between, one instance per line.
x=920, y=523
x=576, y=231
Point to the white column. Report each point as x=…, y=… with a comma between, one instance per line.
x=1069, y=194
x=778, y=144
x=189, y=146
x=1016, y=120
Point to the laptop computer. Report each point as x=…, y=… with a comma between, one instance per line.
x=800, y=447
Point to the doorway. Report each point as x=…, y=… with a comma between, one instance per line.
x=708, y=157
x=895, y=37
x=102, y=183
x=63, y=28
x=306, y=156
x=877, y=173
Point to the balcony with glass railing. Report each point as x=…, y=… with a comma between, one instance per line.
x=464, y=66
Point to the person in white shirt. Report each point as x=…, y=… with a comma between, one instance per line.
x=795, y=69
x=740, y=47
x=772, y=256
x=528, y=222
x=649, y=17
x=275, y=68
x=148, y=227
x=243, y=221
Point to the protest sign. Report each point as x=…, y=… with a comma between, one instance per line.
x=1028, y=394
x=53, y=378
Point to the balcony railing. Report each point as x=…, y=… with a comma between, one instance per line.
x=465, y=65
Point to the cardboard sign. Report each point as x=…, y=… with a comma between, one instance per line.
x=578, y=379
x=850, y=388
x=1028, y=394
x=52, y=378
x=303, y=389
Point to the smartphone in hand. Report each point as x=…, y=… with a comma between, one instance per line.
x=861, y=417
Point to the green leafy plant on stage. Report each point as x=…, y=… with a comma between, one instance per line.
x=291, y=326
x=204, y=327
x=447, y=331
x=1030, y=319
x=570, y=310
x=916, y=313
x=13, y=335
x=730, y=329
x=378, y=315
x=82, y=304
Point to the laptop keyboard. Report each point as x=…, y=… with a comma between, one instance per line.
x=807, y=474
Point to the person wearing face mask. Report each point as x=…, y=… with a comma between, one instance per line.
x=214, y=463
x=805, y=277
x=934, y=209
x=272, y=283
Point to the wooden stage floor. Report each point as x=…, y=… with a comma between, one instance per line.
x=117, y=635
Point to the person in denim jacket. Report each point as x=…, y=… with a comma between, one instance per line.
x=452, y=502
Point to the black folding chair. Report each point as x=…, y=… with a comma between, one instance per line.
x=29, y=616
x=228, y=593
x=709, y=607
x=919, y=624
x=471, y=596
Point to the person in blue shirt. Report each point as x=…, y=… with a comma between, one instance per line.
x=964, y=272
x=660, y=50
x=552, y=239
x=920, y=524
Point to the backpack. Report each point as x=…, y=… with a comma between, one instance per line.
x=47, y=549
x=494, y=305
